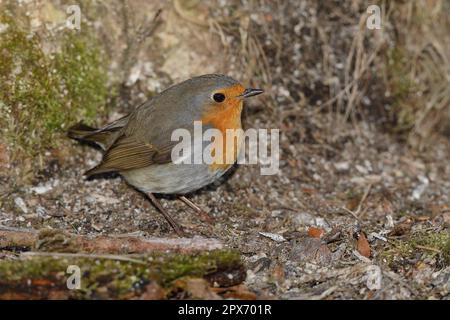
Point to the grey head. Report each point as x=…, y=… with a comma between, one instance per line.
x=196, y=91
x=176, y=107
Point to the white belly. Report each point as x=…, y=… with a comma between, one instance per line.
x=172, y=178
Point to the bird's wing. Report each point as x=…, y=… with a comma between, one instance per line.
x=146, y=138
x=127, y=153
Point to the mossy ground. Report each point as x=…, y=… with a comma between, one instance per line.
x=42, y=94
x=116, y=278
x=422, y=243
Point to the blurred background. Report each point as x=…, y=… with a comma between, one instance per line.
x=364, y=116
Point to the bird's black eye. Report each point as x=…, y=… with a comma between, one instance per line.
x=219, y=97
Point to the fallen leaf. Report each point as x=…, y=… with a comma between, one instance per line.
x=363, y=246
x=353, y=203
x=153, y=291
x=437, y=209
x=240, y=292
x=387, y=207
x=315, y=232
x=279, y=274
x=268, y=17
x=42, y=282
x=401, y=228
x=196, y=288
x=309, y=191
x=421, y=218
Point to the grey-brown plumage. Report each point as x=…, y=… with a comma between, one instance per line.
x=139, y=146
x=142, y=139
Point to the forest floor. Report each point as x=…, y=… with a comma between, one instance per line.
x=354, y=212
x=362, y=184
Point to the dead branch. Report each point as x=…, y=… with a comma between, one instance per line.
x=59, y=241
x=116, y=267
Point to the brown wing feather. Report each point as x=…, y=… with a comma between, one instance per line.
x=127, y=153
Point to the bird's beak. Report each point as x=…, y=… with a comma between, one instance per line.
x=249, y=92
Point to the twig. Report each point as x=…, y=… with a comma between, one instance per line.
x=57, y=240
x=80, y=255
x=428, y=248
x=14, y=229
x=364, y=197
x=356, y=213
x=142, y=33
x=352, y=213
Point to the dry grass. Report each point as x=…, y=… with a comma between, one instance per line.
x=326, y=58
x=418, y=69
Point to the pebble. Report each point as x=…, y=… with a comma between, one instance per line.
x=21, y=204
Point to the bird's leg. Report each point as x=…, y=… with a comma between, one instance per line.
x=205, y=216
x=178, y=230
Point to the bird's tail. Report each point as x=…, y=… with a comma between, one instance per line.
x=102, y=137
x=86, y=133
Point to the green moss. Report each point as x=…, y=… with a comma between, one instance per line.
x=401, y=86
x=197, y=266
x=42, y=94
x=117, y=278
x=83, y=74
x=439, y=241
x=242, y=209
x=426, y=243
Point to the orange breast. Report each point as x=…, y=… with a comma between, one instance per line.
x=223, y=118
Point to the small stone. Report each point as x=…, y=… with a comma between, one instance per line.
x=303, y=219
x=342, y=166
x=273, y=236
x=21, y=204
x=3, y=27
x=41, y=189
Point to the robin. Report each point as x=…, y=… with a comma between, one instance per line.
x=139, y=145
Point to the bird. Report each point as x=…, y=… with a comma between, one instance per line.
x=139, y=145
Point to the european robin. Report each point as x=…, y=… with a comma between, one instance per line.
x=139, y=145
